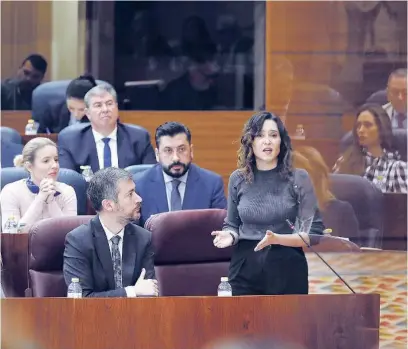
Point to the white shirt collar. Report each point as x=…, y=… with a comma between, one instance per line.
x=98, y=137
x=109, y=234
x=168, y=179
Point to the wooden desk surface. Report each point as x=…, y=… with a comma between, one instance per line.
x=314, y=321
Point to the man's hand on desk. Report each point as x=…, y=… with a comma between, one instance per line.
x=146, y=287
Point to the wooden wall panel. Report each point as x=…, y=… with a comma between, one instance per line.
x=25, y=29
x=215, y=135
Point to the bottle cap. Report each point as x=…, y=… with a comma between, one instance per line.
x=224, y=279
x=31, y=121
x=75, y=280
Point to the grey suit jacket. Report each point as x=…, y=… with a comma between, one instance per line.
x=87, y=256
x=391, y=112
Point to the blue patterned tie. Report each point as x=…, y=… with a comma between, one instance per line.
x=175, y=199
x=116, y=261
x=107, y=154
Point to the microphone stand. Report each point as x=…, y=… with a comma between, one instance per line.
x=318, y=255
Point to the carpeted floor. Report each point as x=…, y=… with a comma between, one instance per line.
x=382, y=272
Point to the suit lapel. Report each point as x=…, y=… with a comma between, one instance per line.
x=93, y=154
x=191, y=194
x=158, y=189
x=129, y=255
x=64, y=118
x=123, y=146
x=103, y=250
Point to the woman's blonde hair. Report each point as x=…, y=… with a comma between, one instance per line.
x=312, y=161
x=30, y=149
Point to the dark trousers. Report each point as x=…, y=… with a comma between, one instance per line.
x=274, y=270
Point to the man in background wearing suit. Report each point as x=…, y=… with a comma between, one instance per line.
x=105, y=142
x=397, y=98
x=175, y=183
x=111, y=256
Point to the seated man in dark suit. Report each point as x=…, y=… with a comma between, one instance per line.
x=105, y=142
x=62, y=113
x=111, y=256
x=175, y=183
x=16, y=93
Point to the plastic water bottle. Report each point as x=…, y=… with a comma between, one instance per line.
x=299, y=133
x=31, y=128
x=74, y=289
x=87, y=173
x=11, y=226
x=224, y=288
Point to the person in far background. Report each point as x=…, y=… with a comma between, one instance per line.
x=372, y=153
x=397, y=98
x=337, y=215
x=175, y=183
x=266, y=196
x=194, y=90
x=40, y=196
x=16, y=92
x=71, y=111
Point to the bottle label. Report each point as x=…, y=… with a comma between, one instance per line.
x=224, y=294
x=74, y=295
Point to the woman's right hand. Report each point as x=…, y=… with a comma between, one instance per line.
x=47, y=188
x=222, y=238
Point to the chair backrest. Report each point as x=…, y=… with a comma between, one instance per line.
x=9, y=134
x=367, y=202
x=187, y=263
x=379, y=97
x=75, y=180
x=399, y=142
x=11, y=174
x=46, y=255
x=9, y=150
x=137, y=170
x=49, y=93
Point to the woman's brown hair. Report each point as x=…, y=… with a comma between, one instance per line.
x=353, y=161
x=246, y=157
x=312, y=161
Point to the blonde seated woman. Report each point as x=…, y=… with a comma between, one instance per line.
x=40, y=196
x=337, y=215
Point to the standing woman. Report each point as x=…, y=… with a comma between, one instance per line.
x=263, y=193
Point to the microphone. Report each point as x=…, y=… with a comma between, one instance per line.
x=318, y=255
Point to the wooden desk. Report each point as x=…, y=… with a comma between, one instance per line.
x=314, y=321
x=15, y=119
x=14, y=273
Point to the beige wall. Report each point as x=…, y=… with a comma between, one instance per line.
x=68, y=39
x=55, y=29
x=25, y=29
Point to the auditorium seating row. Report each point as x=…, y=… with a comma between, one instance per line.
x=186, y=261
x=365, y=199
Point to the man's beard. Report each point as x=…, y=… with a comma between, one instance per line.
x=167, y=170
x=129, y=218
